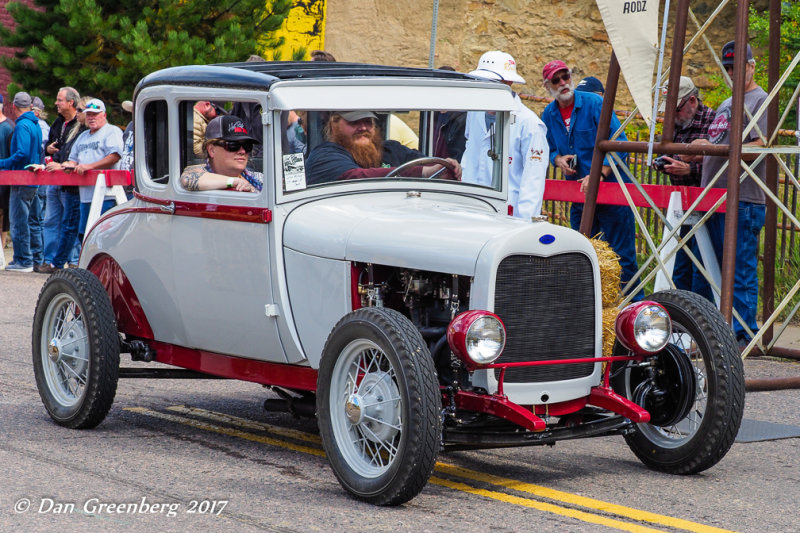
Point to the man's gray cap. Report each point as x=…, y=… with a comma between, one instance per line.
x=22, y=99
x=354, y=116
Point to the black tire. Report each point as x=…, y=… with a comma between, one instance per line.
x=382, y=452
x=703, y=436
x=75, y=349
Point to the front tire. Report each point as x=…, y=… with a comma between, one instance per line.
x=378, y=406
x=702, y=413
x=75, y=349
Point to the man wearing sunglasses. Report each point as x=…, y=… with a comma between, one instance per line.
x=227, y=147
x=752, y=201
x=98, y=148
x=571, y=120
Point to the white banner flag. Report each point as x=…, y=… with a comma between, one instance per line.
x=632, y=28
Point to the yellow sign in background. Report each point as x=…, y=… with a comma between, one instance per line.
x=302, y=31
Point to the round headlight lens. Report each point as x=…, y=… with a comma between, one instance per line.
x=485, y=340
x=652, y=328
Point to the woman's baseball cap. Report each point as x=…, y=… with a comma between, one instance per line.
x=229, y=128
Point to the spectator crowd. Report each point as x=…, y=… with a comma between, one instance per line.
x=47, y=222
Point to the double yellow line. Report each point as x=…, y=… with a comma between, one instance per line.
x=568, y=505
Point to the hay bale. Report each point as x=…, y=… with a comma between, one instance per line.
x=610, y=271
x=609, y=334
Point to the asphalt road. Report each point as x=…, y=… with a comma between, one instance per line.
x=176, y=455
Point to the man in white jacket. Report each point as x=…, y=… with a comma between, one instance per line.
x=529, y=152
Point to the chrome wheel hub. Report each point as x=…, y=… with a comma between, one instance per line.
x=352, y=409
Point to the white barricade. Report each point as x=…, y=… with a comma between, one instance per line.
x=100, y=190
x=707, y=256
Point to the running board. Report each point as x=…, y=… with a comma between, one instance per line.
x=164, y=373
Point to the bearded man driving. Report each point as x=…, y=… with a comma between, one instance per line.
x=355, y=149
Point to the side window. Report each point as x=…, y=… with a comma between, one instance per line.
x=232, y=158
x=156, y=140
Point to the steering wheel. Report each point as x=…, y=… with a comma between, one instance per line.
x=423, y=161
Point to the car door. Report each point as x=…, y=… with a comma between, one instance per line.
x=221, y=258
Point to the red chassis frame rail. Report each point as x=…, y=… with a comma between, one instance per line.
x=601, y=396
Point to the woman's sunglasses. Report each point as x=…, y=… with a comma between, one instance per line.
x=235, y=146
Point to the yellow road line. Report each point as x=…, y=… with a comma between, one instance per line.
x=574, y=499
x=228, y=431
x=543, y=506
x=447, y=469
x=245, y=423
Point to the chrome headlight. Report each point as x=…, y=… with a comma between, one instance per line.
x=643, y=327
x=477, y=337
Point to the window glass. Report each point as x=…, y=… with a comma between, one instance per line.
x=156, y=140
x=328, y=147
x=233, y=158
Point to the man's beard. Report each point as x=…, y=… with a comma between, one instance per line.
x=683, y=123
x=365, y=155
x=562, y=97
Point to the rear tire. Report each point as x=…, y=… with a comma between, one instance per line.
x=705, y=433
x=378, y=406
x=75, y=349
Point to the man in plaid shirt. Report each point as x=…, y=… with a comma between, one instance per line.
x=692, y=120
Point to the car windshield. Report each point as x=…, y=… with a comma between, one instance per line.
x=325, y=148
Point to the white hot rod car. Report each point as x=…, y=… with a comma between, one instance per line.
x=411, y=316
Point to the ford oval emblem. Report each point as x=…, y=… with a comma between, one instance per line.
x=547, y=239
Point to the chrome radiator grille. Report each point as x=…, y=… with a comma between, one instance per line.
x=547, y=306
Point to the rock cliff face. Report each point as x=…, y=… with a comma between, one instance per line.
x=398, y=32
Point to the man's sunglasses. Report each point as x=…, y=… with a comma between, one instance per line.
x=235, y=146
x=81, y=109
x=555, y=80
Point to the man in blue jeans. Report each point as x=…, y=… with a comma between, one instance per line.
x=26, y=216
x=752, y=208
x=62, y=203
x=571, y=120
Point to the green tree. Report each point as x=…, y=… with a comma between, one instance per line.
x=104, y=47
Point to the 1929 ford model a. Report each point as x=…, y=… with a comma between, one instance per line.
x=410, y=315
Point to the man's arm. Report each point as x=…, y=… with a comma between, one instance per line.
x=107, y=162
x=535, y=149
x=18, y=154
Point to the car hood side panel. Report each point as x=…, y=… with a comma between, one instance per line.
x=392, y=228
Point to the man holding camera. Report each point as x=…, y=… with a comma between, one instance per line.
x=692, y=120
x=571, y=120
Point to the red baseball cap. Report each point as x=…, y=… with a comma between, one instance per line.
x=553, y=67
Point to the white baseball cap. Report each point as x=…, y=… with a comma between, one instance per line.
x=497, y=65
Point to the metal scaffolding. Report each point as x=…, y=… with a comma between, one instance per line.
x=764, y=340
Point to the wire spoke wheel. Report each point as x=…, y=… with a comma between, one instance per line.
x=366, y=395
x=75, y=349
x=378, y=405
x=65, y=350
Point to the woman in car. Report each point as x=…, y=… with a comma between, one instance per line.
x=227, y=147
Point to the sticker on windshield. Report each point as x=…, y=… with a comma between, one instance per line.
x=294, y=172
